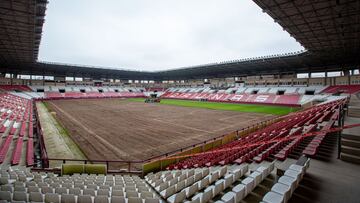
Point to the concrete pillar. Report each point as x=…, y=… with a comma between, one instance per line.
x=11, y=78
x=326, y=76
x=347, y=74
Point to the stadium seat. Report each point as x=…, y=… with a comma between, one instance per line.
x=239, y=190
x=84, y=199
x=229, y=197
x=283, y=190
x=50, y=197
x=272, y=197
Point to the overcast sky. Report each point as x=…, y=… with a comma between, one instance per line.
x=158, y=34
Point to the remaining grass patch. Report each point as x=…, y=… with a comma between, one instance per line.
x=257, y=108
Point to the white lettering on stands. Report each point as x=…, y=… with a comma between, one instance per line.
x=237, y=97
x=261, y=98
x=216, y=97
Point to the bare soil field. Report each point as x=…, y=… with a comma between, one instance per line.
x=117, y=129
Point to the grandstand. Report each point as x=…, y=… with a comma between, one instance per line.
x=247, y=130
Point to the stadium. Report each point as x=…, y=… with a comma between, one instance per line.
x=247, y=130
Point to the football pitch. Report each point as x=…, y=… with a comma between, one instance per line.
x=254, y=108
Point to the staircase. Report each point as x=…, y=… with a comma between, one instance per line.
x=350, y=148
x=350, y=141
x=354, y=106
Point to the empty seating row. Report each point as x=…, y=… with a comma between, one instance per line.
x=22, y=185
x=240, y=191
x=282, y=191
x=278, y=139
x=349, y=89
x=69, y=198
x=75, y=95
x=15, y=88
x=292, y=100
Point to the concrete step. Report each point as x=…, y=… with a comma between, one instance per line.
x=351, y=137
x=350, y=143
x=350, y=158
x=354, y=115
x=350, y=150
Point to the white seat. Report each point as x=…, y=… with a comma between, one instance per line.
x=36, y=197
x=207, y=195
x=197, y=200
x=146, y=194
x=118, y=199
x=61, y=190
x=249, y=184
x=223, y=171
x=75, y=191
x=282, y=189
x=203, y=197
x=294, y=174
x=132, y=194
x=245, y=169
x=162, y=187
x=103, y=192
x=257, y=177
x=203, y=183
x=101, y=199
x=290, y=181
x=298, y=168
x=7, y=188
x=189, y=181
x=182, y=177
x=198, y=176
x=134, y=200
x=191, y=172
x=33, y=189
x=218, y=187
x=214, y=177
x=205, y=172
x=237, y=174
x=5, y=195
x=65, y=198
x=84, y=199
x=229, y=180
x=20, y=196
x=239, y=190
x=46, y=189
x=264, y=171
x=151, y=200
x=168, y=192
x=173, y=182
x=51, y=197
x=191, y=190
x=229, y=197
x=272, y=197
x=177, y=198
x=180, y=185
x=117, y=193
x=89, y=192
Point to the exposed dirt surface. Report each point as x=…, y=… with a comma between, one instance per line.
x=117, y=129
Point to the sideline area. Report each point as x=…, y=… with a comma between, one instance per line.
x=58, y=143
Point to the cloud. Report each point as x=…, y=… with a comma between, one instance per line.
x=159, y=34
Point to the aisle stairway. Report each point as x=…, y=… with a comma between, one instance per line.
x=350, y=148
x=350, y=142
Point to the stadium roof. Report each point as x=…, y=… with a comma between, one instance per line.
x=329, y=30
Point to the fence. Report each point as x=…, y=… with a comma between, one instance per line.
x=155, y=163
x=44, y=157
x=161, y=162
